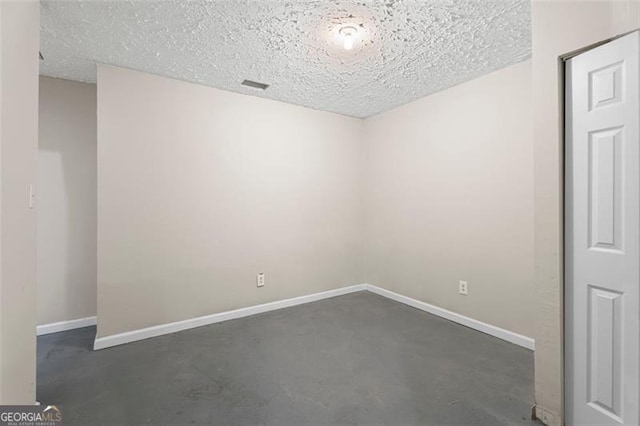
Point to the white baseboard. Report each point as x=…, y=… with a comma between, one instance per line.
x=500, y=333
x=57, y=327
x=159, y=330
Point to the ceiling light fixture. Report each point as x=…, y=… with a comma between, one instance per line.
x=348, y=36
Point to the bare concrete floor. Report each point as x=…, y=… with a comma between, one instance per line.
x=354, y=359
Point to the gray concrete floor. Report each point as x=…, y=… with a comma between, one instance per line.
x=354, y=359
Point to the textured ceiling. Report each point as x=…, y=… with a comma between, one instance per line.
x=407, y=48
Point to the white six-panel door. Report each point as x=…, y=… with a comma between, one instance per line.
x=602, y=258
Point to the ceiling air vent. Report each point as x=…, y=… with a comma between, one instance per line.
x=255, y=85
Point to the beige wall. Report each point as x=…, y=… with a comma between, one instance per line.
x=19, y=40
x=450, y=197
x=559, y=27
x=66, y=201
x=200, y=189
x=207, y=188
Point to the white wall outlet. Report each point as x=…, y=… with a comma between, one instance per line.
x=260, y=279
x=463, y=288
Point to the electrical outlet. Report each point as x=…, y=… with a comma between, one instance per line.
x=260, y=279
x=463, y=288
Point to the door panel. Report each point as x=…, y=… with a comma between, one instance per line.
x=602, y=234
x=605, y=189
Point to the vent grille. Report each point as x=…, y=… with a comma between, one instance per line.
x=255, y=85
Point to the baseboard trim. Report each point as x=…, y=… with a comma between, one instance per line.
x=57, y=327
x=500, y=333
x=546, y=417
x=159, y=330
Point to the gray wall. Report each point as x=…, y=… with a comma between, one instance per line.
x=19, y=42
x=67, y=206
x=200, y=189
x=449, y=197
